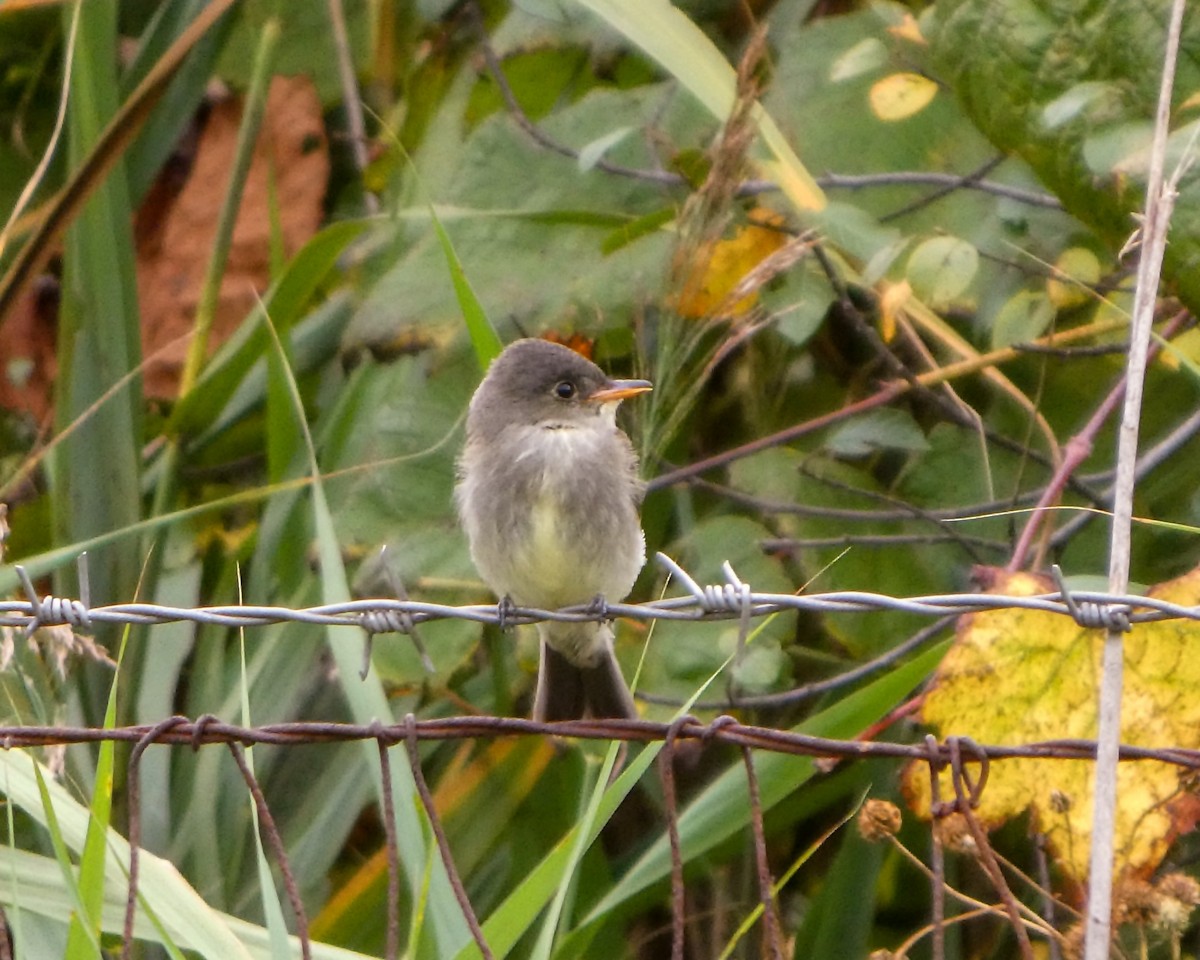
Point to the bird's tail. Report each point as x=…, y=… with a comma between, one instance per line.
x=567, y=691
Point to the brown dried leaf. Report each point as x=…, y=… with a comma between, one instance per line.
x=176, y=229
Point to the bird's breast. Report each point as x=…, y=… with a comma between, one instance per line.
x=582, y=535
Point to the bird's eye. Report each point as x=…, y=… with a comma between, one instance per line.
x=564, y=389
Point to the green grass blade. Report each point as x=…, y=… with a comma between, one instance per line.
x=253, y=111
x=185, y=92
x=284, y=302
x=184, y=918
x=78, y=909
x=545, y=942
x=720, y=810
x=107, y=150
x=191, y=922
x=753, y=917
x=517, y=913
x=484, y=338
x=368, y=702
x=85, y=929
x=96, y=477
x=666, y=34
x=269, y=895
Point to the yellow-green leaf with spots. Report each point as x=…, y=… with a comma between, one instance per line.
x=1023, y=676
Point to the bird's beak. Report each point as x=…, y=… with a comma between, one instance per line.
x=620, y=390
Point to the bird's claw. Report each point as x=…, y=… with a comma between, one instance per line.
x=598, y=607
x=504, y=612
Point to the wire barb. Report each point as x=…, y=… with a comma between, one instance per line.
x=728, y=601
x=51, y=611
x=397, y=620
x=1093, y=615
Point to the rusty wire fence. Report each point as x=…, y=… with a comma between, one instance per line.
x=967, y=760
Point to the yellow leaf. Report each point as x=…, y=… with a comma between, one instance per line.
x=908, y=29
x=1023, y=676
x=891, y=308
x=710, y=282
x=899, y=96
x=1185, y=348
x=1076, y=270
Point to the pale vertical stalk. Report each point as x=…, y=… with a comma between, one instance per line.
x=1159, y=203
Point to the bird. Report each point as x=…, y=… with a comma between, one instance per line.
x=548, y=494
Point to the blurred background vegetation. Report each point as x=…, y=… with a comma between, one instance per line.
x=242, y=240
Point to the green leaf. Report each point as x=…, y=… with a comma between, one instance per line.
x=941, y=269
x=98, y=466
x=593, y=153
x=284, y=303
x=484, y=338
x=887, y=429
x=369, y=703
x=1073, y=96
x=866, y=56
x=508, y=923
x=190, y=922
x=1024, y=317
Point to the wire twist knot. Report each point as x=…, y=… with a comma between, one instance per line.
x=1091, y=615
x=52, y=611
x=386, y=621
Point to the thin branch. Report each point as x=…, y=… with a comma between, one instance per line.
x=1154, y=457
x=931, y=198
x=952, y=181
x=1078, y=449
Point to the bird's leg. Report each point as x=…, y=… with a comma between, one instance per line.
x=504, y=612
x=599, y=607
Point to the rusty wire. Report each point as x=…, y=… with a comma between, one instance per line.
x=955, y=752
x=266, y=824
x=443, y=844
x=392, y=947
x=207, y=730
x=181, y=731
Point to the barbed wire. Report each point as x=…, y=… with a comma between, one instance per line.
x=733, y=599
x=730, y=600
x=209, y=729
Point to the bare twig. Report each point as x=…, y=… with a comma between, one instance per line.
x=666, y=766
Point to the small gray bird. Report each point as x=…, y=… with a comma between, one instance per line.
x=548, y=494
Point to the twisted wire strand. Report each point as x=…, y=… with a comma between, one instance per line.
x=182, y=731
x=722, y=603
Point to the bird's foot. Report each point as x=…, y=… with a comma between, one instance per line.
x=504, y=612
x=598, y=607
